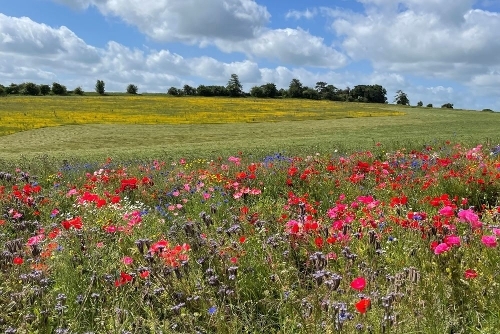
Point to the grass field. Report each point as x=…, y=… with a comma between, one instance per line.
x=141, y=126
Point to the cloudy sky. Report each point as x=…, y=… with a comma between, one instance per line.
x=436, y=51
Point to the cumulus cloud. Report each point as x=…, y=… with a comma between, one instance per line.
x=191, y=21
x=26, y=37
x=290, y=46
x=429, y=37
x=231, y=25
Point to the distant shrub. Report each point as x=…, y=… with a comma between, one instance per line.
x=78, y=91
x=58, y=89
x=487, y=110
x=447, y=105
x=44, y=89
x=420, y=104
x=132, y=89
x=30, y=89
x=429, y=105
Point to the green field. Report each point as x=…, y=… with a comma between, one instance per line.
x=97, y=127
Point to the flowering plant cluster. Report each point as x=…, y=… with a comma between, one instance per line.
x=365, y=242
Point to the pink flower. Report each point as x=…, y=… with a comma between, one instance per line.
x=489, y=240
x=447, y=211
x=127, y=260
x=470, y=274
x=358, y=283
x=470, y=217
x=441, y=248
x=496, y=231
x=452, y=240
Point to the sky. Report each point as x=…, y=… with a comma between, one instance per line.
x=436, y=51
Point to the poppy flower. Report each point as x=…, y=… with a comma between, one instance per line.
x=358, y=283
x=489, y=240
x=470, y=274
x=363, y=305
x=17, y=260
x=441, y=248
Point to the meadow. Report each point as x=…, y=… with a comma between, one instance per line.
x=326, y=224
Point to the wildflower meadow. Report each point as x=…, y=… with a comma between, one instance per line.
x=367, y=241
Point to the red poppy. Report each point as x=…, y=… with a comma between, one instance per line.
x=17, y=260
x=358, y=283
x=242, y=239
x=470, y=274
x=363, y=305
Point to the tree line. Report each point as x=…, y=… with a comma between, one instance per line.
x=234, y=88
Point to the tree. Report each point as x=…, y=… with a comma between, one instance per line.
x=368, y=93
x=30, y=89
x=2, y=90
x=173, y=91
x=295, y=88
x=100, y=87
x=188, y=90
x=12, y=89
x=234, y=87
x=401, y=98
x=447, y=105
x=320, y=87
x=429, y=105
x=44, y=89
x=132, y=89
x=257, y=91
x=309, y=93
x=270, y=90
x=78, y=91
x=58, y=89
x=420, y=104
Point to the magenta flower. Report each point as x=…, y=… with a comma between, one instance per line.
x=447, y=211
x=489, y=240
x=452, y=240
x=441, y=248
x=358, y=283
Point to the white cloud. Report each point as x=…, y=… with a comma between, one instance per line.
x=297, y=15
x=191, y=21
x=420, y=39
x=26, y=37
x=289, y=46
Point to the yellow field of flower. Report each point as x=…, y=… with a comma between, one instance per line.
x=21, y=113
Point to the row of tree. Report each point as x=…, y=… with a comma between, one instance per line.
x=234, y=88
x=322, y=91
x=30, y=88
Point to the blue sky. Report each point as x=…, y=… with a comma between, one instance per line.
x=437, y=51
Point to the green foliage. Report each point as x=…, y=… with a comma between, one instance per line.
x=78, y=91
x=189, y=91
x=174, y=91
x=30, y=88
x=429, y=105
x=401, y=98
x=311, y=94
x=420, y=104
x=12, y=89
x=132, y=89
x=447, y=106
x=2, y=90
x=369, y=93
x=234, y=87
x=100, y=87
x=212, y=90
x=58, y=89
x=295, y=89
x=257, y=91
x=487, y=110
x=45, y=89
